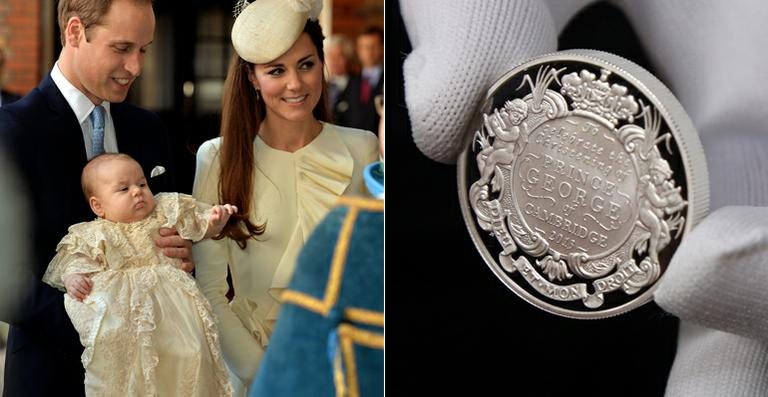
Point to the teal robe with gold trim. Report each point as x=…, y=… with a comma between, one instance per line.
x=329, y=336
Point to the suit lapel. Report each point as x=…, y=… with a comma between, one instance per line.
x=60, y=157
x=128, y=138
x=122, y=129
x=138, y=137
x=379, y=86
x=66, y=136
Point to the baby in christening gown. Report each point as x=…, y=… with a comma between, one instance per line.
x=146, y=328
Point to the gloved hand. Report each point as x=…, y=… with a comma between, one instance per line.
x=716, y=284
x=710, y=54
x=460, y=47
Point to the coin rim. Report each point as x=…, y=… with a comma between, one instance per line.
x=680, y=125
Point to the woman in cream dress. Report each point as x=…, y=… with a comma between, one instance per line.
x=279, y=162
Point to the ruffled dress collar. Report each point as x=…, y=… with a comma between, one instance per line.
x=324, y=170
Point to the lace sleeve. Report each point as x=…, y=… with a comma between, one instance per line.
x=74, y=255
x=187, y=215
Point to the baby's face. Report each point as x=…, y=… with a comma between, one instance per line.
x=122, y=191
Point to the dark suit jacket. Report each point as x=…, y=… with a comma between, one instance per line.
x=7, y=97
x=349, y=111
x=45, y=141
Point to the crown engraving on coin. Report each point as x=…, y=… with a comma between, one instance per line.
x=568, y=177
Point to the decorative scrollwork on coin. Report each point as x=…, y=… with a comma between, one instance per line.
x=582, y=176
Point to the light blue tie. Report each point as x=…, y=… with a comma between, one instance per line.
x=97, y=121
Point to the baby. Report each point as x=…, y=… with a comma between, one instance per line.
x=146, y=328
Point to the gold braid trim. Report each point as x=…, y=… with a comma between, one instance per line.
x=334, y=277
x=338, y=376
x=339, y=259
x=362, y=203
x=305, y=301
x=364, y=316
x=361, y=337
x=349, y=336
x=348, y=352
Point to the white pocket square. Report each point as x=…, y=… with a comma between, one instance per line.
x=158, y=170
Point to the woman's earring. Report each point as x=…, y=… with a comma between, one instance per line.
x=258, y=96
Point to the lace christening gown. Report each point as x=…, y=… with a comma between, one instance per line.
x=146, y=328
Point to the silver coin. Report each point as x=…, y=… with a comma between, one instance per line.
x=582, y=175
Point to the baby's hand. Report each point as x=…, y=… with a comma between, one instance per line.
x=78, y=285
x=219, y=216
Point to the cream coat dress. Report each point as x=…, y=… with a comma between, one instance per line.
x=146, y=328
x=292, y=192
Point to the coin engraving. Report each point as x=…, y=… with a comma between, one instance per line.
x=572, y=181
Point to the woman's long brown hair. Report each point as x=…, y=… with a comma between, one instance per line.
x=241, y=115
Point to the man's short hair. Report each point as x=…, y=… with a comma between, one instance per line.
x=374, y=30
x=89, y=11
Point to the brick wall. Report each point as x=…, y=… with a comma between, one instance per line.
x=350, y=17
x=20, y=29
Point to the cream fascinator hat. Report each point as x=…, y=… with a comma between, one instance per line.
x=266, y=29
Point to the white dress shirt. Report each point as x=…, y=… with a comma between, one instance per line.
x=373, y=75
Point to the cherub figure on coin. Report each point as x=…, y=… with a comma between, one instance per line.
x=658, y=196
x=507, y=127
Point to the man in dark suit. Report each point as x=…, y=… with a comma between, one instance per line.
x=50, y=134
x=340, y=63
x=6, y=97
x=363, y=88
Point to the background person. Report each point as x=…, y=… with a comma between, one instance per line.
x=340, y=64
x=363, y=88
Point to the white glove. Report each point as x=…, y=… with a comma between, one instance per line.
x=717, y=279
x=710, y=54
x=459, y=49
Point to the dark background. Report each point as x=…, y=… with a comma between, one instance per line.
x=452, y=327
